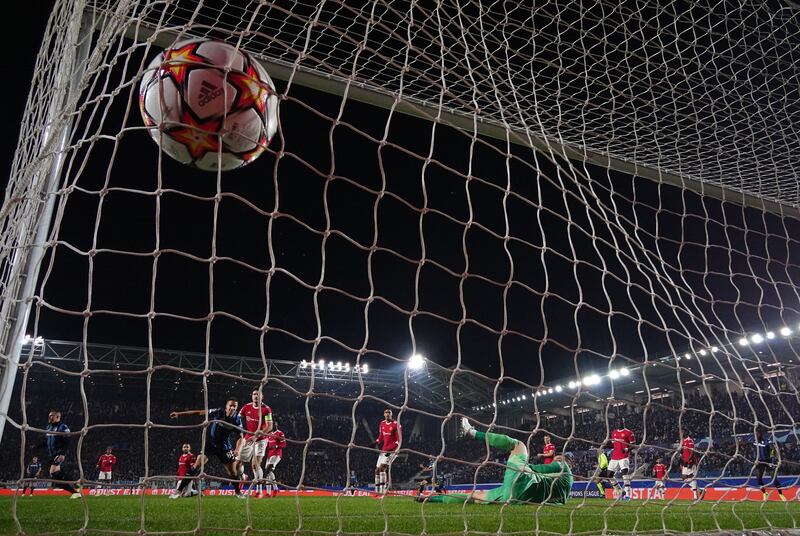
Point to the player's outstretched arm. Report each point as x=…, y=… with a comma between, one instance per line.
x=176, y=414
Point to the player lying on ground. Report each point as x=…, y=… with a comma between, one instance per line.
x=522, y=482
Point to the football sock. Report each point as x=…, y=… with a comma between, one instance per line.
x=498, y=441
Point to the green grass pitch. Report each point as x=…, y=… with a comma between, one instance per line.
x=365, y=515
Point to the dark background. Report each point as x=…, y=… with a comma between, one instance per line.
x=585, y=291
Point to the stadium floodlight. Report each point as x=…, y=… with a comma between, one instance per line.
x=613, y=374
x=416, y=362
x=303, y=364
x=743, y=341
x=347, y=367
x=331, y=365
x=592, y=379
x=757, y=338
x=550, y=391
x=624, y=371
x=364, y=368
x=703, y=352
x=27, y=339
x=687, y=356
x=559, y=388
x=338, y=365
x=321, y=364
x=770, y=334
x=572, y=385
x=785, y=331
x=714, y=349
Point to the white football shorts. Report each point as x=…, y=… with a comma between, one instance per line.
x=250, y=448
x=619, y=465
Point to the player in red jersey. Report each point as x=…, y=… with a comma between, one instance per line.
x=390, y=434
x=257, y=421
x=622, y=441
x=660, y=474
x=276, y=442
x=188, y=465
x=689, y=464
x=105, y=465
x=548, y=451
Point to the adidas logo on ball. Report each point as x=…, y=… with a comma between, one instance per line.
x=208, y=92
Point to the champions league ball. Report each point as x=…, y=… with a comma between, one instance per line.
x=209, y=105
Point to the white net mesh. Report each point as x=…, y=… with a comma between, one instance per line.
x=470, y=184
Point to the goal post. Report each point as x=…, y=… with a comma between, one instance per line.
x=30, y=203
x=485, y=240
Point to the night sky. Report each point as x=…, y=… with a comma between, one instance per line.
x=597, y=265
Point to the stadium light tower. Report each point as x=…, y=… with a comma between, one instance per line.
x=416, y=362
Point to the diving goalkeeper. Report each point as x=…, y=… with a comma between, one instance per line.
x=522, y=482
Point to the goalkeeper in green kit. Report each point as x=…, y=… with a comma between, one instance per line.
x=522, y=482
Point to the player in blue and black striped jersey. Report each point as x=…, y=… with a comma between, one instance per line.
x=32, y=472
x=57, y=443
x=222, y=440
x=766, y=454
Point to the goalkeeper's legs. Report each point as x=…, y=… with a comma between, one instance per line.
x=498, y=441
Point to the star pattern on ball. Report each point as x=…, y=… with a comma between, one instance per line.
x=252, y=92
x=177, y=62
x=199, y=138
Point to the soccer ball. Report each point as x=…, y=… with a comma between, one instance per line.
x=210, y=105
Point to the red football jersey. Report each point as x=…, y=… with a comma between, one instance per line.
x=106, y=462
x=186, y=464
x=687, y=451
x=660, y=470
x=255, y=418
x=390, y=435
x=276, y=443
x=621, y=439
x=549, y=452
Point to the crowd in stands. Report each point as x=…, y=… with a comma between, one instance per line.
x=326, y=441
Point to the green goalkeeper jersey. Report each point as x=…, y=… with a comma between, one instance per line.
x=543, y=483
